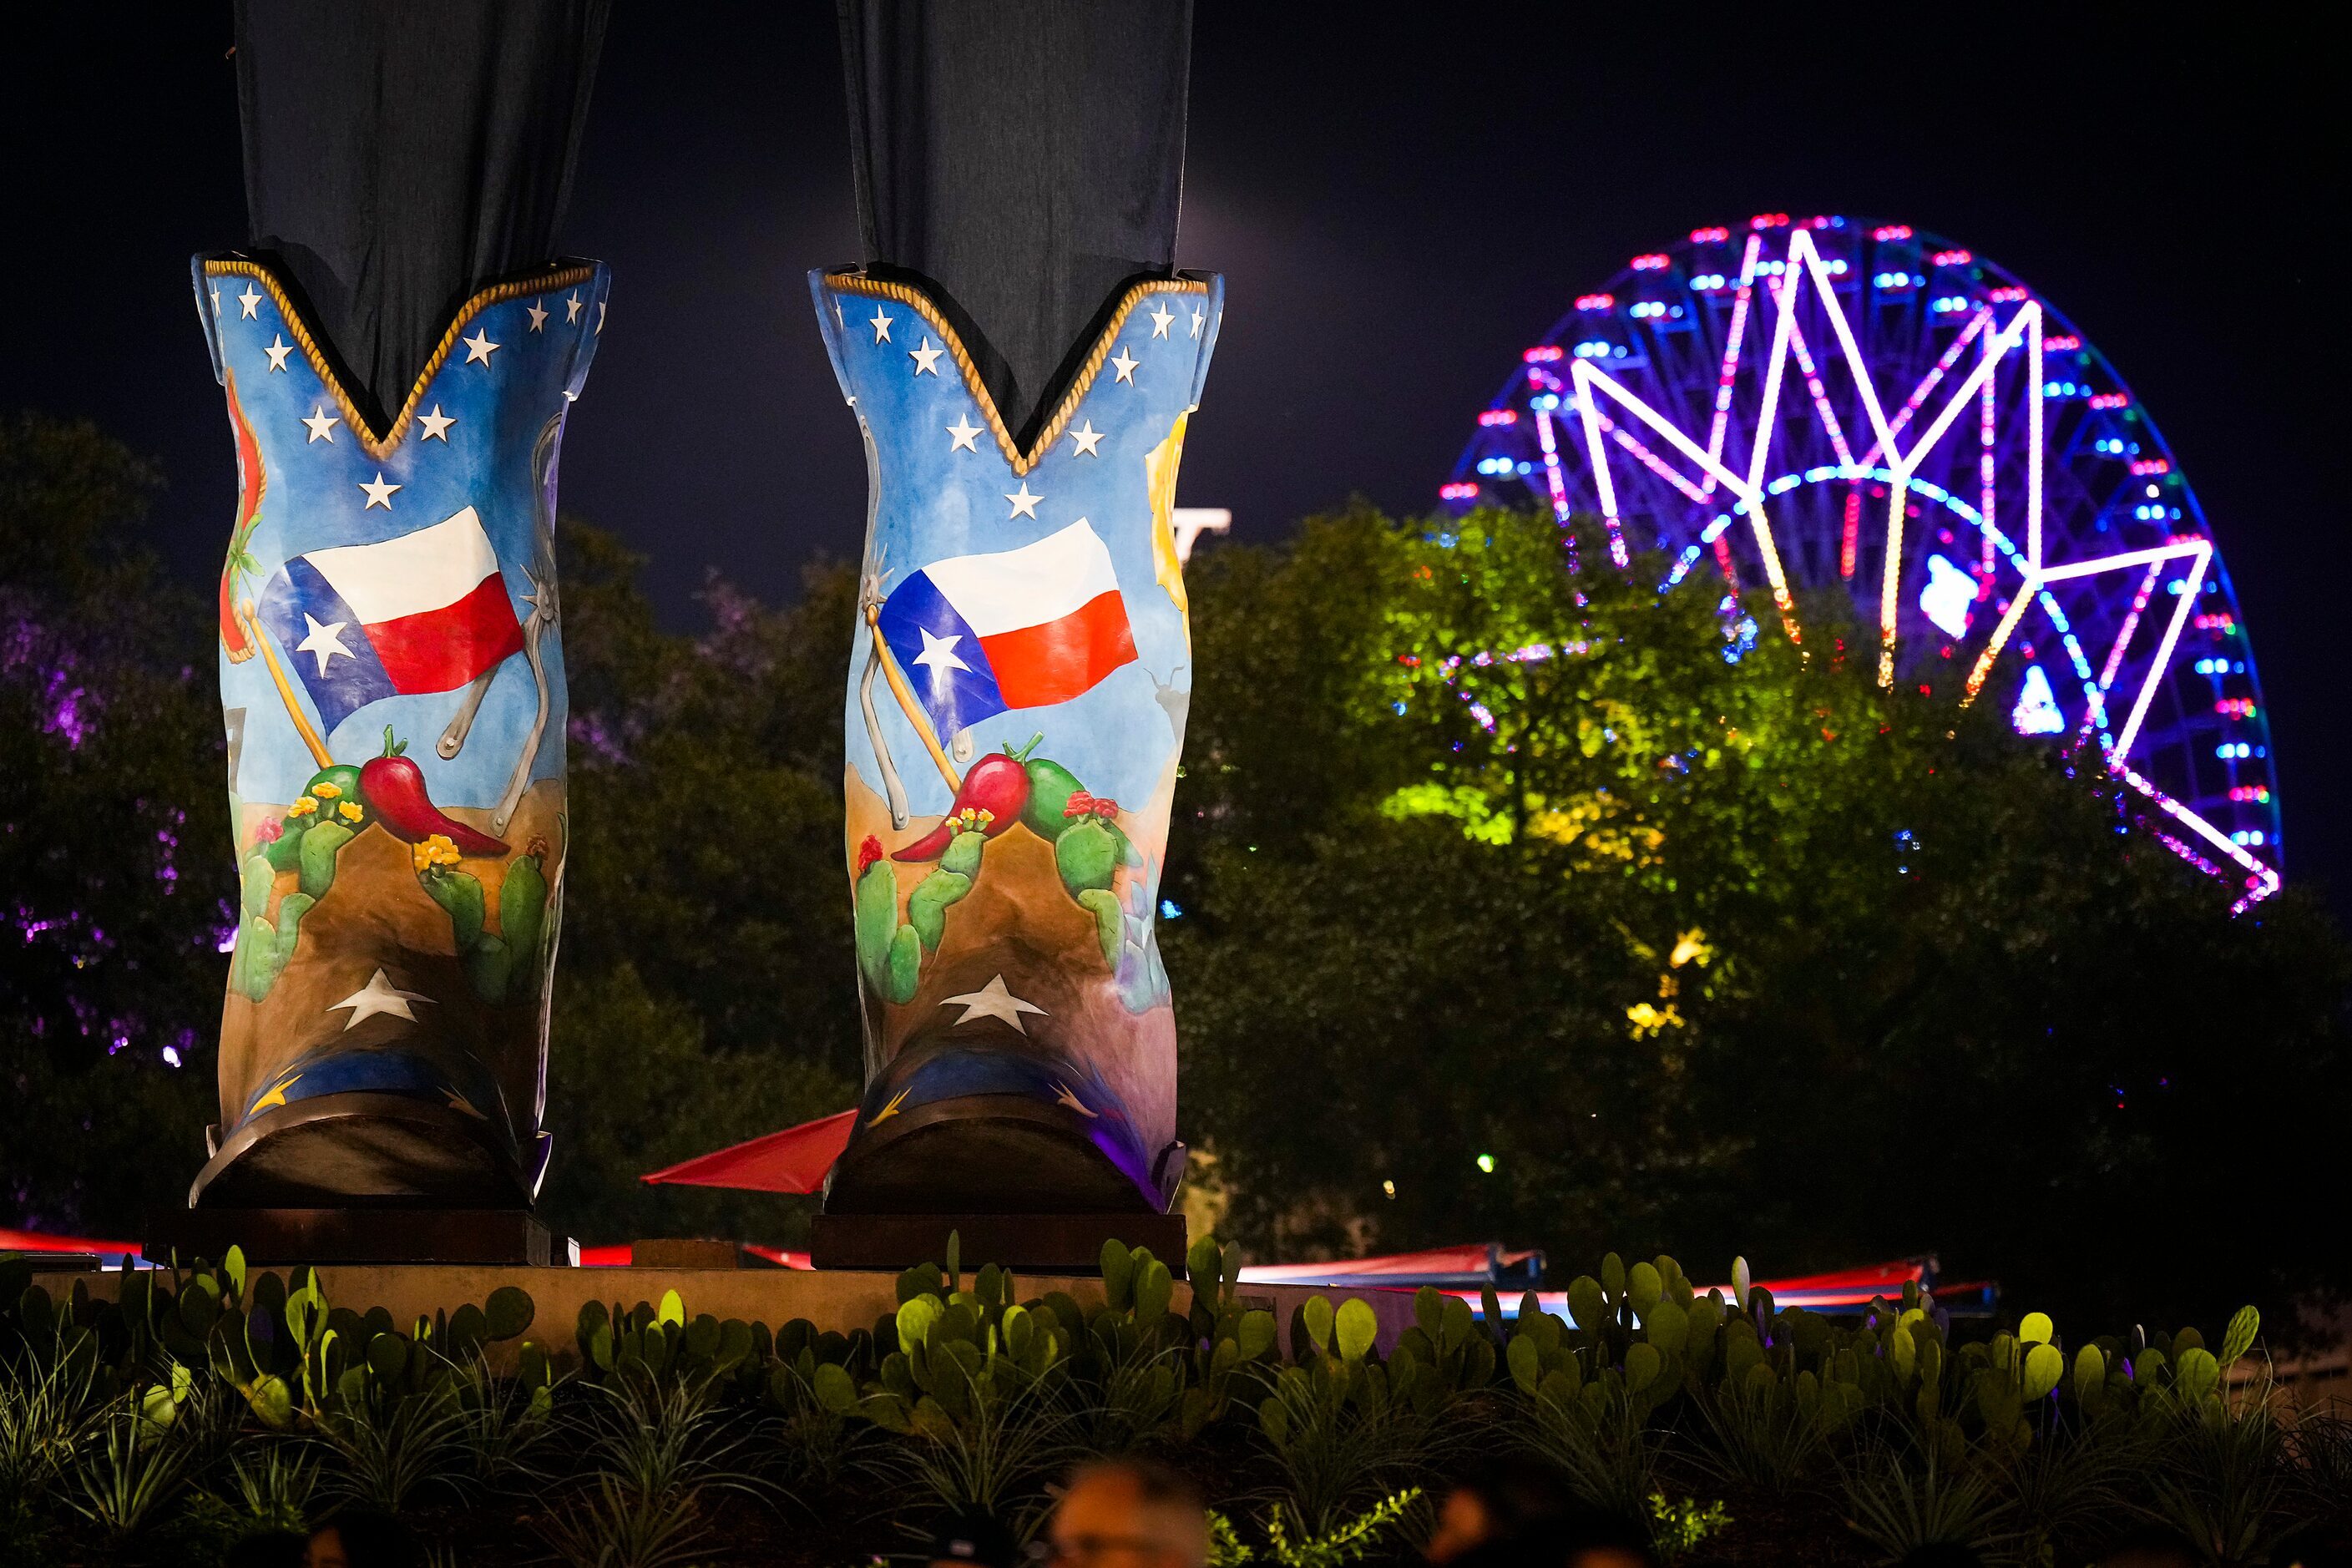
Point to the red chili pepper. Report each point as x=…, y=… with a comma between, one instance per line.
x=991, y=800
x=394, y=787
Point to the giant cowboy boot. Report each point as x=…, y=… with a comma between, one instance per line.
x=391, y=677
x=1015, y=713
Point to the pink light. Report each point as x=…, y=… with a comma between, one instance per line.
x=1763, y=221
x=1499, y=417
x=2264, y=880
x=2006, y=296
x=1950, y=258
x=1544, y=353
x=1710, y=235
x=1985, y=475
x=2096, y=715
x=1456, y=491
x=2204, y=552
x=1853, y=351
x=2058, y=345
x=1650, y=460
x=1653, y=262
x=1731, y=353
x=1786, y=297
x=1892, y=231
x=2032, y=441
x=1596, y=301
x=1911, y=404
x=2153, y=466
x=2111, y=400
x=1850, y=541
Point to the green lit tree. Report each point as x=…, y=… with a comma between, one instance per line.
x=1529, y=903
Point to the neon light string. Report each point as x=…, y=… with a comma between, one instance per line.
x=1774, y=370
x=1911, y=404
x=1814, y=384
x=1551, y=466
x=2032, y=437
x=1890, y=577
x=1890, y=588
x=1850, y=541
x=1560, y=489
x=1651, y=460
x=1587, y=378
x=2262, y=874
x=1731, y=352
x=1985, y=422
x=1819, y=273
x=1599, y=458
x=2123, y=637
x=2164, y=651
x=2037, y=583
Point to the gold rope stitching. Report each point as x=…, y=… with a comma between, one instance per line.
x=496, y=295
x=851, y=283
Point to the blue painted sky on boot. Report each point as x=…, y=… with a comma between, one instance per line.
x=469, y=443
x=948, y=490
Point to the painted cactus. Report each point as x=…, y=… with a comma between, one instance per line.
x=385, y=1018
x=1016, y=716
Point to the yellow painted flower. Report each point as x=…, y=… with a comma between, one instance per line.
x=326, y=789
x=302, y=807
x=349, y=811
x=436, y=851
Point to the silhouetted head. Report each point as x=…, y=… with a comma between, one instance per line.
x=364, y=1538
x=1129, y=1512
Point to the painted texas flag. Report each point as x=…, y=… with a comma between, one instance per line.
x=425, y=612
x=1022, y=628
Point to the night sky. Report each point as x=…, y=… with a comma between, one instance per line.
x=1400, y=200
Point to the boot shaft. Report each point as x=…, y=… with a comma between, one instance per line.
x=1015, y=713
x=392, y=684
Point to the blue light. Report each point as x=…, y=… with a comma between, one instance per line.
x=1171, y=911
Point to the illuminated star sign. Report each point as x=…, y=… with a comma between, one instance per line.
x=2023, y=335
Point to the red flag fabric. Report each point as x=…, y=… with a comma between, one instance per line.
x=40, y=1241
x=793, y=1161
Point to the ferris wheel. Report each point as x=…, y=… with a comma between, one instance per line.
x=1799, y=405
